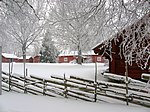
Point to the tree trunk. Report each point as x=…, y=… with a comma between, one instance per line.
x=9, y=76
x=95, y=83
x=0, y=70
x=79, y=60
x=24, y=65
x=24, y=62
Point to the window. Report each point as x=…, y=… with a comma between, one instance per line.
x=98, y=58
x=65, y=59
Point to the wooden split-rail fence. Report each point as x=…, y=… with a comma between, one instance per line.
x=74, y=87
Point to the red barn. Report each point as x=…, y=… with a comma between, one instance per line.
x=89, y=57
x=66, y=59
x=116, y=59
x=29, y=59
x=36, y=59
x=6, y=58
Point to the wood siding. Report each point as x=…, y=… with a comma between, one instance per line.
x=35, y=59
x=87, y=58
x=115, y=56
x=66, y=59
x=117, y=64
x=7, y=60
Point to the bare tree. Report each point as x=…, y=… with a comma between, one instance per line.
x=22, y=25
x=121, y=14
x=75, y=27
x=78, y=20
x=135, y=45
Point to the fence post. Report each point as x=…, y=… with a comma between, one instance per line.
x=25, y=91
x=44, y=85
x=65, y=85
x=126, y=82
x=95, y=83
x=0, y=70
x=25, y=75
x=26, y=72
x=95, y=92
x=9, y=80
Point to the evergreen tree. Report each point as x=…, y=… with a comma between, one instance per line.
x=48, y=51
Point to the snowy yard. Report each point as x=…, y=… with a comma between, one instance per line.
x=118, y=30
x=45, y=70
x=18, y=102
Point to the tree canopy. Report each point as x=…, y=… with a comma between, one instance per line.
x=74, y=24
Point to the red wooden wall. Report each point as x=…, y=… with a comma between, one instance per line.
x=90, y=58
x=35, y=59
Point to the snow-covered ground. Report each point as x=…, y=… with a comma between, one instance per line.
x=45, y=70
x=16, y=102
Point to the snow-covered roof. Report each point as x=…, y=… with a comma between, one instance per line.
x=119, y=32
x=13, y=56
x=6, y=55
x=68, y=53
x=75, y=53
x=27, y=57
x=89, y=53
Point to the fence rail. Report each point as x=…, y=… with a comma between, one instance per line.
x=73, y=87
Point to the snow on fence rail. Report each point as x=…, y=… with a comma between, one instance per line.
x=145, y=76
x=73, y=87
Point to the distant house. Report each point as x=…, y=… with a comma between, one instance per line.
x=6, y=58
x=71, y=57
x=117, y=62
x=36, y=59
x=30, y=59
